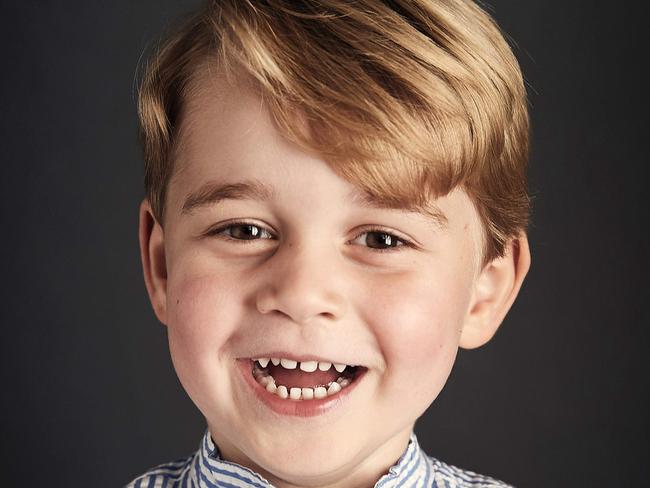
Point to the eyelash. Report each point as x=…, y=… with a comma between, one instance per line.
x=215, y=233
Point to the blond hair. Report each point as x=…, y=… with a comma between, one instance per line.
x=406, y=99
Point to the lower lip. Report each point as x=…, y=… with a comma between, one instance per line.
x=296, y=408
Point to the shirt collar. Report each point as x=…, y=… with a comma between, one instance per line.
x=211, y=470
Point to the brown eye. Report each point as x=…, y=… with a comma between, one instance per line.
x=381, y=240
x=244, y=231
x=241, y=232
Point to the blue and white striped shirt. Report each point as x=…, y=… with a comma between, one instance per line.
x=205, y=469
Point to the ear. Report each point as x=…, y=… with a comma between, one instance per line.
x=154, y=266
x=495, y=290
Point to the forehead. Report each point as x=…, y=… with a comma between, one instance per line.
x=228, y=146
x=227, y=136
x=218, y=111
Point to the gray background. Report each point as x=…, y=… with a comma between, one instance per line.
x=89, y=396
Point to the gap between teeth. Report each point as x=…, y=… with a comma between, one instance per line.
x=307, y=366
x=262, y=376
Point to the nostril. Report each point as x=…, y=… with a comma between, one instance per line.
x=301, y=303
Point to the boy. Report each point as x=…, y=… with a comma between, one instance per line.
x=336, y=201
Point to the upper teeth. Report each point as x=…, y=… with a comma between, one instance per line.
x=288, y=363
x=307, y=366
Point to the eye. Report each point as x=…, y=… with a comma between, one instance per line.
x=241, y=231
x=380, y=240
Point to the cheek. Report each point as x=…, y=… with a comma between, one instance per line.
x=198, y=307
x=417, y=321
x=202, y=311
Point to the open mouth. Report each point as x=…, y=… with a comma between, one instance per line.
x=302, y=381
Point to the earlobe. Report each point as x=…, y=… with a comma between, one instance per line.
x=495, y=290
x=152, y=253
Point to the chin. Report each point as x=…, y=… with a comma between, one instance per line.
x=304, y=458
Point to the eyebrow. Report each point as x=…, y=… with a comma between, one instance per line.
x=214, y=192
x=429, y=209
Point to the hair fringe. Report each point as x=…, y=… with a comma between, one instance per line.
x=406, y=99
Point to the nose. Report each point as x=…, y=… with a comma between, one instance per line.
x=302, y=283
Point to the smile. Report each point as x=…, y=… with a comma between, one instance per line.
x=305, y=380
x=302, y=388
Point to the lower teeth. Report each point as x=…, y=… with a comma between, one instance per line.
x=317, y=392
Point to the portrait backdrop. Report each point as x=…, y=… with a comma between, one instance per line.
x=89, y=397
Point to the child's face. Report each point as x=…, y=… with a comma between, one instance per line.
x=310, y=284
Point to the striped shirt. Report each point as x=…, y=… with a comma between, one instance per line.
x=205, y=469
